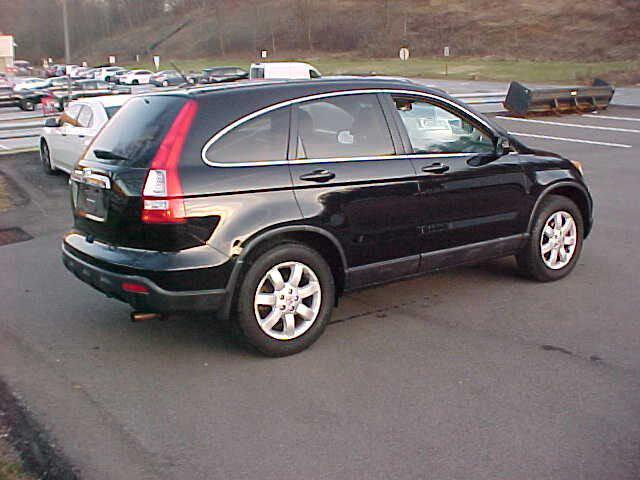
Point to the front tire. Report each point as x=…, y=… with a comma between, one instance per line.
x=285, y=300
x=45, y=157
x=28, y=105
x=555, y=243
x=165, y=83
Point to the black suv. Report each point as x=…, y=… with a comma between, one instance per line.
x=266, y=201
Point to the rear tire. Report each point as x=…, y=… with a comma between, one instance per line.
x=27, y=105
x=165, y=84
x=554, y=247
x=286, y=315
x=45, y=157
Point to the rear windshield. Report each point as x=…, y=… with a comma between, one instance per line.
x=135, y=132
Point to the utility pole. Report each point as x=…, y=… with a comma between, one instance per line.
x=65, y=23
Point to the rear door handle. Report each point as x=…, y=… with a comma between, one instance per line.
x=318, y=176
x=435, y=168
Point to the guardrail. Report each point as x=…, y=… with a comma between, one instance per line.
x=481, y=98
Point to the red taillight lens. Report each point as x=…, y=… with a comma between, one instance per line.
x=162, y=195
x=134, y=287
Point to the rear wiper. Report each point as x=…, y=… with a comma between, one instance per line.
x=108, y=155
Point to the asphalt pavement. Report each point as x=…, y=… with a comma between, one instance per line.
x=469, y=373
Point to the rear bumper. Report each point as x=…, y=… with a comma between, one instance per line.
x=156, y=300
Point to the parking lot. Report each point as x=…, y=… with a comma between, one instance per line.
x=469, y=373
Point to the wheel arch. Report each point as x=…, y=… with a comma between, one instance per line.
x=325, y=243
x=575, y=192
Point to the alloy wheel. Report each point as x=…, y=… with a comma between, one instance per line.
x=286, y=309
x=558, y=240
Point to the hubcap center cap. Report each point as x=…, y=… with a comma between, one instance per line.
x=288, y=298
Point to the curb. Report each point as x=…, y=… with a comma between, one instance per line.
x=37, y=452
x=18, y=150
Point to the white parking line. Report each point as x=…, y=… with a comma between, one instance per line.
x=574, y=125
x=574, y=140
x=3, y=147
x=609, y=117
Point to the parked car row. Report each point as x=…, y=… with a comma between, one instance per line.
x=59, y=91
x=20, y=68
x=217, y=75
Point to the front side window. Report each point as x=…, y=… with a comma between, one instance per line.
x=344, y=126
x=70, y=115
x=432, y=129
x=261, y=139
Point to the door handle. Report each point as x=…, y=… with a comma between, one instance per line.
x=318, y=176
x=80, y=136
x=435, y=168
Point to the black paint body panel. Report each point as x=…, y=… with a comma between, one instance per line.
x=381, y=218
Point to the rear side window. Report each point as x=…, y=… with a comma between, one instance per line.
x=85, y=119
x=141, y=124
x=345, y=126
x=111, y=111
x=261, y=139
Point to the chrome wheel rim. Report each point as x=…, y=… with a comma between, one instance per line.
x=558, y=240
x=286, y=309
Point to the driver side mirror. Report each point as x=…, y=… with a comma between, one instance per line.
x=52, y=122
x=502, y=146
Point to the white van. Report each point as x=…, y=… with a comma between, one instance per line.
x=282, y=70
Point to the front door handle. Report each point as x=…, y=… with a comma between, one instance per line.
x=318, y=176
x=435, y=168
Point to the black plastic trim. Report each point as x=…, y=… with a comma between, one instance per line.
x=588, y=222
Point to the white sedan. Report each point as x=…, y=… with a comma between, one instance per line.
x=64, y=139
x=31, y=83
x=136, y=77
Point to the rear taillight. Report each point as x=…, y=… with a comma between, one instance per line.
x=162, y=200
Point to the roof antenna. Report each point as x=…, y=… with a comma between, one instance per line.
x=179, y=71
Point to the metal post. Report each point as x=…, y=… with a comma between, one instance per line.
x=65, y=23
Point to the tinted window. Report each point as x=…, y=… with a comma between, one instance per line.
x=346, y=126
x=257, y=72
x=111, y=111
x=85, y=119
x=261, y=139
x=433, y=129
x=140, y=127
